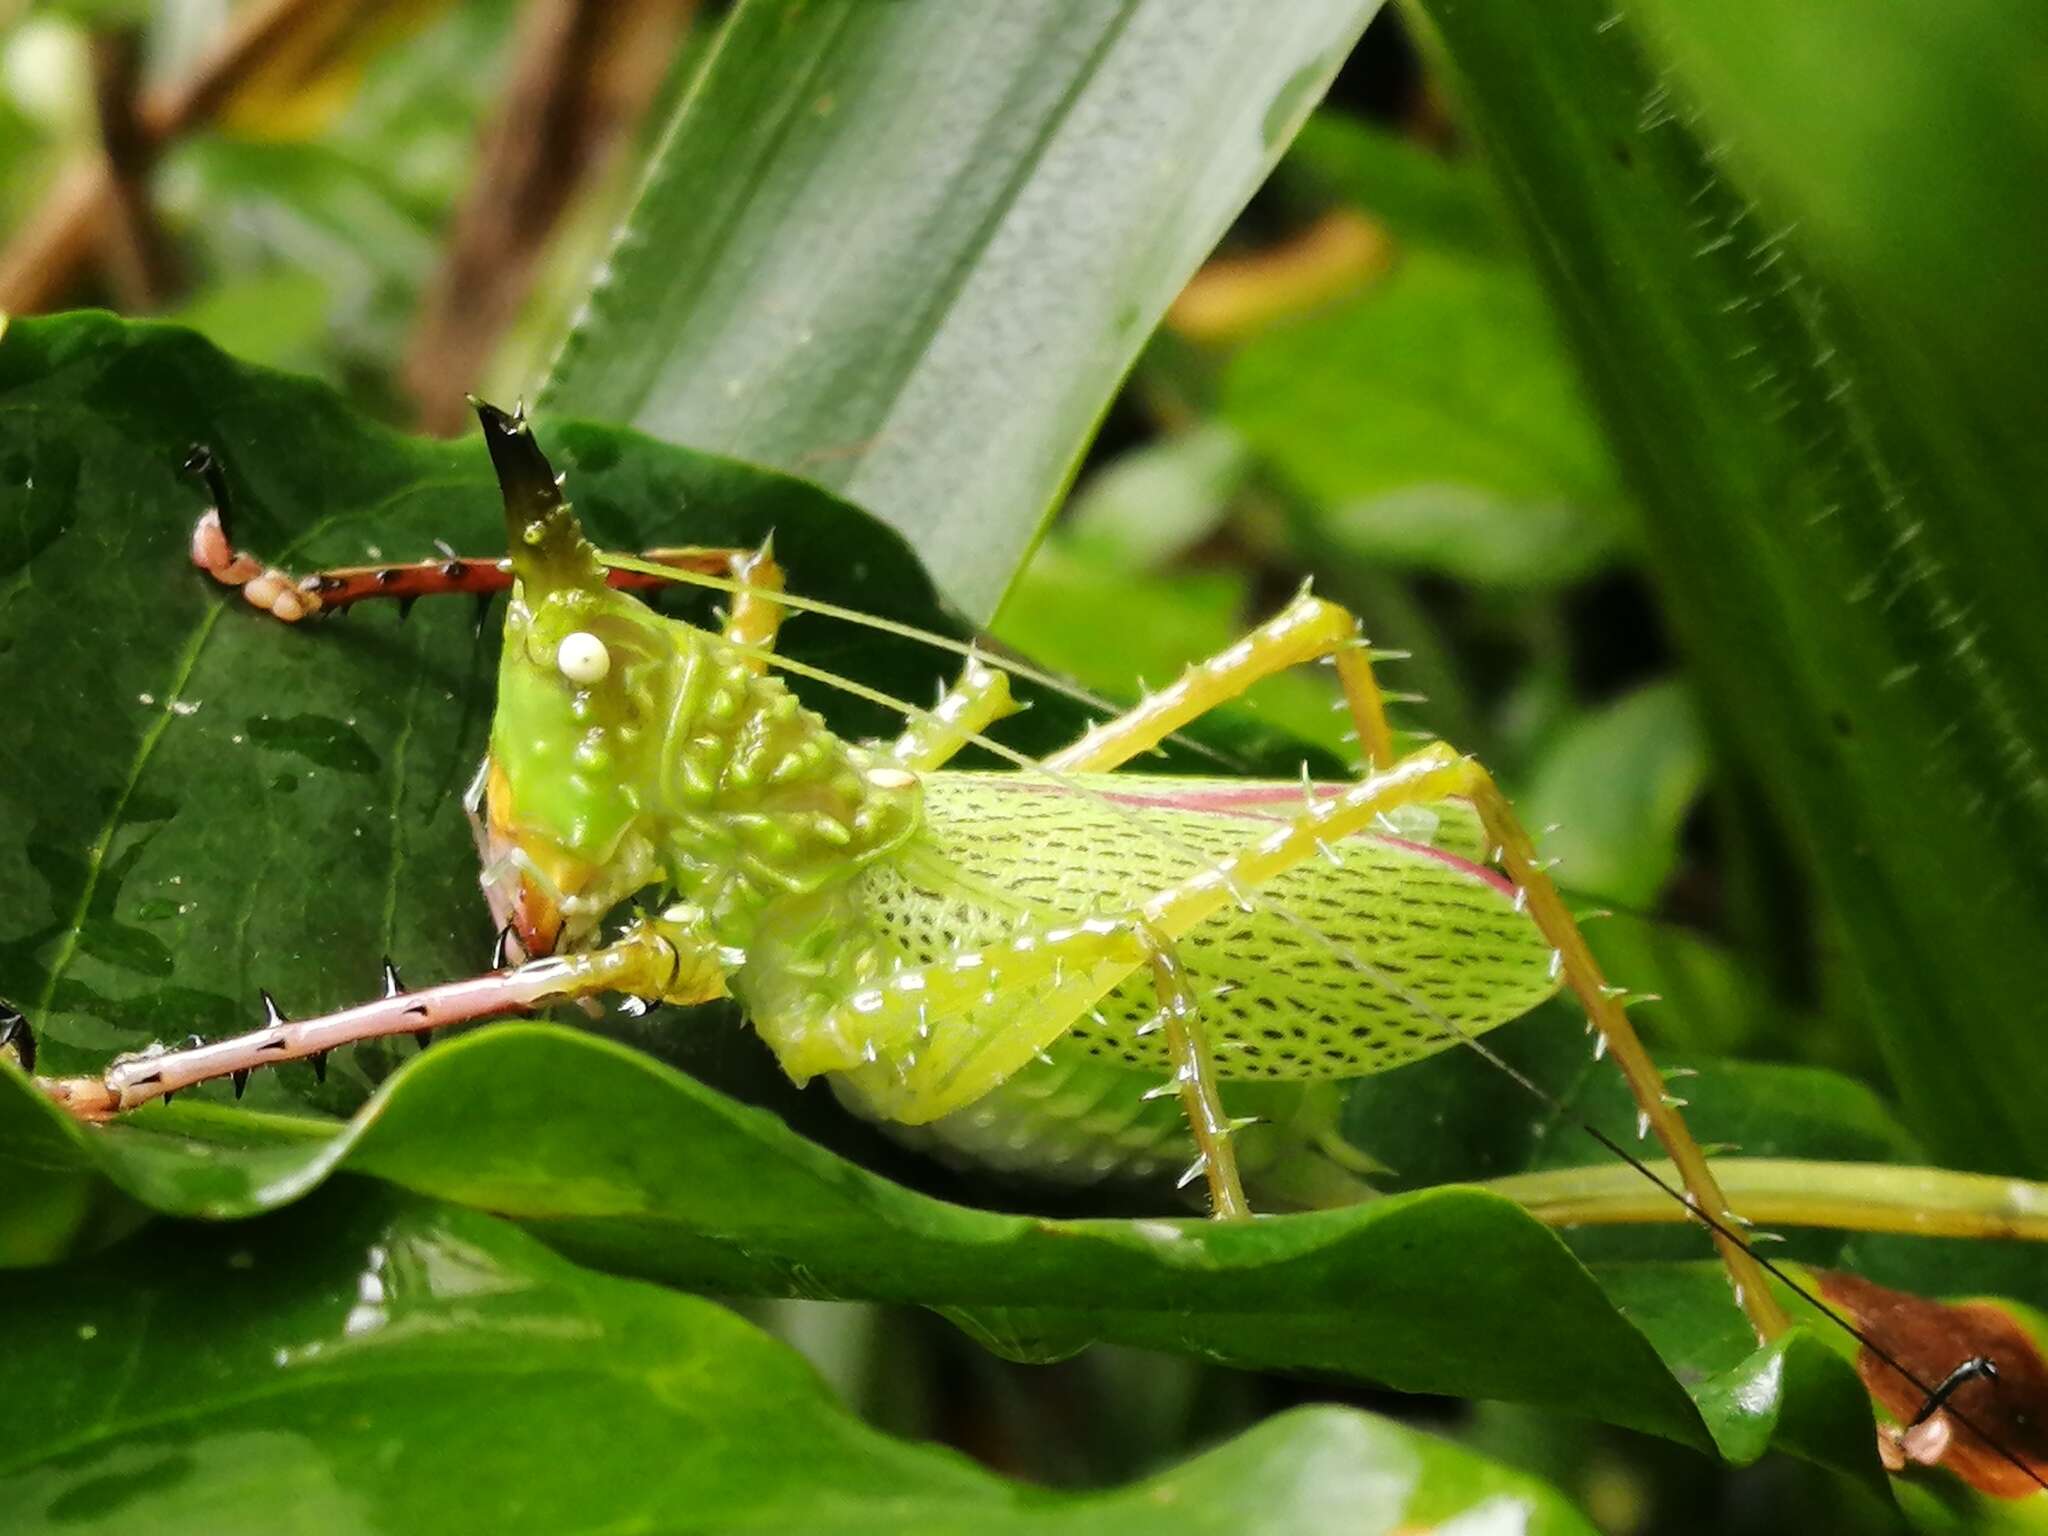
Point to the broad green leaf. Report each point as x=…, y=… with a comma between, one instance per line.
x=1914, y=177
x=349, y=1366
x=1616, y=787
x=1435, y=424
x=1427, y=201
x=1147, y=506
x=908, y=250
x=1861, y=608
x=629, y=1166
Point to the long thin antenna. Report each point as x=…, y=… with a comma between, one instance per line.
x=1038, y=677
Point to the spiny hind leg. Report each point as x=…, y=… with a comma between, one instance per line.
x=1437, y=773
x=1431, y=774
x=1310, y=627
x=1516, y=853
x=1194, y=1079
x=672, y=960
x=1307, y=629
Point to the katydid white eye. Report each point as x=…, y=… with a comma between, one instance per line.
x=582, y=658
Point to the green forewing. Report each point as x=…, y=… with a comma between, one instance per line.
x=1381, y=953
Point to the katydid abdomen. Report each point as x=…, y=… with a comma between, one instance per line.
x=1380, y=953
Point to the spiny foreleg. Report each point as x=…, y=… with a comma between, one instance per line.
x=753, y=619
x=655, y=958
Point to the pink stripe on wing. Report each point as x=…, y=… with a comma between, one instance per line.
x=1270, y=801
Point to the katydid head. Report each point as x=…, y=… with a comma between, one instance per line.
x=573, y=739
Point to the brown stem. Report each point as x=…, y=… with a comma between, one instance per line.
x=132, y=244
x=583, y=72
x=40, y=265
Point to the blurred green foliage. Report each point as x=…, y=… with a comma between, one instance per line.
x=1661, y=387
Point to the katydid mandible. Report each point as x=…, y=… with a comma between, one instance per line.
x=990, y=964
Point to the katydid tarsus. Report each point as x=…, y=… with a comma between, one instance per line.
x=1066, y=970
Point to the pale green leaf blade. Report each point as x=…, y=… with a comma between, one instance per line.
x=1436, y=421
x=1861, y=599
x=908, y=250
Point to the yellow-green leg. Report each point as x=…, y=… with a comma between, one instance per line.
x=1194, y=1079
x=1309, y=628
x=1602, y=1004
x=755, y=617
x=979, y=699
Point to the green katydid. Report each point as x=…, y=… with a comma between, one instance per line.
x=1063, y=970
x=1055, y=970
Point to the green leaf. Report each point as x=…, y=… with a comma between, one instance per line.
x=909, y=250
x=629, y=1166
x=349, y=1366
x=1155, y=502
x=1426, y=200
x=1914, y=178
x=1862, y=604
x=1617, y=786
x=1436, y=424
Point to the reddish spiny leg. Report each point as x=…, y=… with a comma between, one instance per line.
x=290, y=598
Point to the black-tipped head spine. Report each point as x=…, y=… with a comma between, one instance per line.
x=547, y=547
x=16, y=1037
